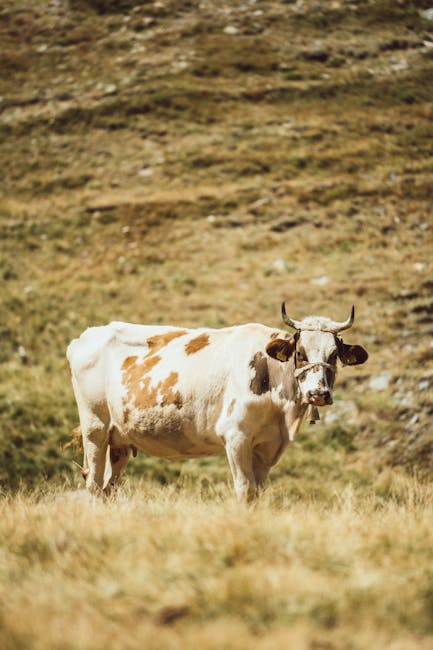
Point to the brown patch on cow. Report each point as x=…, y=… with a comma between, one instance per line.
x=168, y=395
x=197, y=344
x=137, y=380
x=143, y=395
x=159, y=341
x=126, y=414
x=231, y=406
x=129, y=361
x=149, y=362
x=138, y=385
x=260, y=382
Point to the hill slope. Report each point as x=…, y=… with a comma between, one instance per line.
x=190, y=163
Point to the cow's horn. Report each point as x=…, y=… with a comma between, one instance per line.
x=339, y=327
x=291, y=323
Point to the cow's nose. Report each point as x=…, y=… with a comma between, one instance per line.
x=320, y=397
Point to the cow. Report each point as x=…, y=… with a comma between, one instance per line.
x=181, y=393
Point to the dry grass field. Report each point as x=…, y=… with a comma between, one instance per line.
x=194, y=163
x=159, y=568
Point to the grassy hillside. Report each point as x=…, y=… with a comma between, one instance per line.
x=195, y=163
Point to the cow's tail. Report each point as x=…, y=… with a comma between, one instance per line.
x=77, y=443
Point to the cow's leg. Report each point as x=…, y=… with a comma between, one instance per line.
x=96, y=450
x=94, y=420
x=85, y=468
x=95, y=442
x=119, y=457
x=266, y=454
x=261, y=470
x=239, y=454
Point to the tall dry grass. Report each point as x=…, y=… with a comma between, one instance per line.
x=163, y=568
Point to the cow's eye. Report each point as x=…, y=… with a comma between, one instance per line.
x=300, y=357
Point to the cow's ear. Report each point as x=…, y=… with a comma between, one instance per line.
x=351, y=355
x=281, y=349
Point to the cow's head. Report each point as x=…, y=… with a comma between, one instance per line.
x=314, y=348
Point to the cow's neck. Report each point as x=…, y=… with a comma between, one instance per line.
x=285, y=386
x=282, y=380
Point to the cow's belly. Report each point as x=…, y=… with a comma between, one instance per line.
x=168, y=433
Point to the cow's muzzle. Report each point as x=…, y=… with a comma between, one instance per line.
x=319, y=397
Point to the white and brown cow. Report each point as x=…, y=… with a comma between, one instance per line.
x=184, y=393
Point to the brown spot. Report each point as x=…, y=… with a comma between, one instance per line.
x=149, y=362
x=126, y=414
x=168, y=395
x=260, y=382
x=197, y=344
x=129, y=361
x=138, y=382
x=159, y=341
x=138, y=385
x=231, y=406
x=142, y=394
